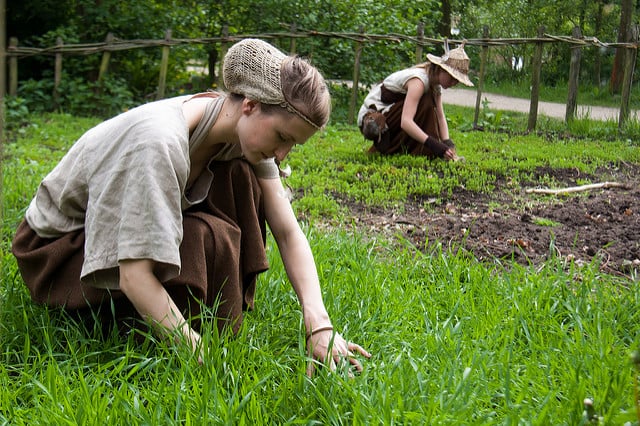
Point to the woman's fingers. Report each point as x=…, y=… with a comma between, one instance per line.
x=311, y=368
x=336, y=353
x=351, y=357
x=354, y=347
x=354, y=362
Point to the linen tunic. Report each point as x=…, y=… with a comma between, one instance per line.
x=124, y=182
x=394, y=82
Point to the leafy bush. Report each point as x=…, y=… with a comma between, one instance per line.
x=103, y=98
x=16, y=112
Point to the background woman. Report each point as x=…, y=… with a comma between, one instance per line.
x=404, y=113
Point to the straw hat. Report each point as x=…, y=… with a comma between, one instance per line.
x=455, y=62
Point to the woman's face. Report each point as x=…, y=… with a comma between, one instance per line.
x=266, y=135
x=446, y=80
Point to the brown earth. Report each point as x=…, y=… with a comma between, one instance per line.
x=600, y=225
x=510, y=224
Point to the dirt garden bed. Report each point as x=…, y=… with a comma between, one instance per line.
x=512, y=224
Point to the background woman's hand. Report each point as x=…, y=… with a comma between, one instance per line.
x=450, y=154
x=332, y=350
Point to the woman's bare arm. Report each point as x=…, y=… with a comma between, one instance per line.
x=301, y=270
x=153, y=303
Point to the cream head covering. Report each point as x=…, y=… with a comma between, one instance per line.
x=455, y=62
x=251, y=68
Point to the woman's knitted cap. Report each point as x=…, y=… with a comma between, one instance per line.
x=251, y=68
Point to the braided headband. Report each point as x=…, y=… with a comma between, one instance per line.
x=286, y=105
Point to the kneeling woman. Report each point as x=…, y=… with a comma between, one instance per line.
x=404, y=113
x=163, y=208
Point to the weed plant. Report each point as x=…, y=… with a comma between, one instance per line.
x=454, y=341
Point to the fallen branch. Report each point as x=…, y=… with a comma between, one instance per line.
x=578, y=188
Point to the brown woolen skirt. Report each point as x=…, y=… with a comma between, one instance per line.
x=397, y=141
x=222, y=253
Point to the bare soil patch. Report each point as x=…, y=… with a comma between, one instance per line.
x=509, y=224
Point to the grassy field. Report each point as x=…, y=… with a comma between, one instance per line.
x=454, y=341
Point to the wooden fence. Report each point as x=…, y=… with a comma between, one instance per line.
x=360, y=39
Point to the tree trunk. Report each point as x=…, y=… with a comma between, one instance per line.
x=444, y=28
x=213, y=59
x=617, y=73
x=598, y=56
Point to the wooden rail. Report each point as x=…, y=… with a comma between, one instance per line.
x=360, y=40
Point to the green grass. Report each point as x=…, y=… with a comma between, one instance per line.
x=335, y=166
x=454, y=341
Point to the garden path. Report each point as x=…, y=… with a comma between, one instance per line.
x=467, y=98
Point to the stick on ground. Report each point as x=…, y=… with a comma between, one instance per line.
x=578, y=188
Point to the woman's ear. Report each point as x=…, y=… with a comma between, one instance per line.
x=249, y=106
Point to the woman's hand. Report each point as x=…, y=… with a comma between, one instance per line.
x=332, y=350
x=450, y=154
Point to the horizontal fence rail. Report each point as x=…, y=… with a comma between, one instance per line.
x=118, y=44
x=360, y=40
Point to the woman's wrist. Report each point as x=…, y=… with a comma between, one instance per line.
x=315, y=317
x=310, y=333
x=438, y=148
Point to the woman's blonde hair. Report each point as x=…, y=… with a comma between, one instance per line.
x=305, y=89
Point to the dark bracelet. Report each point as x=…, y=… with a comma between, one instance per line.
x=318, y=330
x=438, y=148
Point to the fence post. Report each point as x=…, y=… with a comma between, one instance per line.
x=574, y=74
x=535, y=81
x=3, y=80
x=13, y=68
x=57, y=77
x=356, y=79
x=164, y=64
x=292, y=43
x=106, y=57
x=224, y=46
x=483, y=62
x=629, y=69
x=419, y=44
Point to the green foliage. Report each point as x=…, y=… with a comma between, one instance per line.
x=543, y=221
x=16, y=113
x=522, y=19
x=102, y=98
x=453, y=342
x=137, y=70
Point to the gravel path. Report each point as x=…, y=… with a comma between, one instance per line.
x=467, y=97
